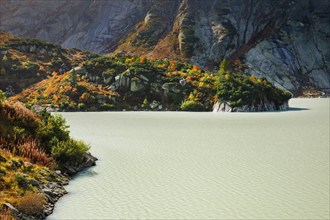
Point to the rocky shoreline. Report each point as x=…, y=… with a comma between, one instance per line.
x=53, y=189
x=222, y=106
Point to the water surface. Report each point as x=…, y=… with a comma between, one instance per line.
x=178, y=165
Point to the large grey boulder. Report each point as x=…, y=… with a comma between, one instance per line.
x=137, y=85
x=79, y=70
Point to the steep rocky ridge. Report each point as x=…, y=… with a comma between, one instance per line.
x=285, y=41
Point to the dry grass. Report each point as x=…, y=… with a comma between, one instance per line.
x=30, y=149
x=17, y=114
x=27, y=148
x=6, y=215
x=30, y=203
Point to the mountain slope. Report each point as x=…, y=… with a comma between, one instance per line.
x=285, y=41
x=70, y=79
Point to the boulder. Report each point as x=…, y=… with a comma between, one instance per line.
x=79, y=70
x=88, y=161
x=144, y=78
x=112, y=87
x=183, y=82
x=136, y=85
x=122, y=82
x=32, y=48
x=155, y=87
x=50, y=192
x=107, y=80
x=154, y=104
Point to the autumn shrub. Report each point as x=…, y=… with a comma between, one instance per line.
x=30, y=204
x=17, y=115
x=31, y=149
x=69, y=152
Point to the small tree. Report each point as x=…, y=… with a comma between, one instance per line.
x=69, y=152
x=2, y=96
x=223, y=68
x=145, y=103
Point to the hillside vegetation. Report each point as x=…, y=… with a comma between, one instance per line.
x=82, y=81
x=32, y=147
x=24, y=62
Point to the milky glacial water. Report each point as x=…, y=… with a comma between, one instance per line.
x=179, y=165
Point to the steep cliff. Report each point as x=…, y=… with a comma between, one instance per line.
x=285, y=41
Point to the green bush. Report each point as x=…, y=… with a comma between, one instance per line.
x=82, y=107
x=241, y=90
x=2, y=96
x=192, y=106
x=69, y=152
x=21, y=180
x=107, y=107
x=52, y=127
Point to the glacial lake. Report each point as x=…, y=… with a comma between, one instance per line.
x=182, y=165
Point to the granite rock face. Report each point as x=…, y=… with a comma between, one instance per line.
x=88, y=25
x=266, y=106
x=286, y=41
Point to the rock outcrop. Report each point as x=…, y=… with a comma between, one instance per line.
x=267, y=106
x=87, y=161
x=51, y=187
x=285, y=41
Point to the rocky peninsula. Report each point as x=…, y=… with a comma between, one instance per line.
x=37, y=159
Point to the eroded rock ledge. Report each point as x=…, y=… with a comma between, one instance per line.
x=222, y=106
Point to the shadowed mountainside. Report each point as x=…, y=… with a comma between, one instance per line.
x=285, y=41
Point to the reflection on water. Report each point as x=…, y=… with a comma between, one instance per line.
x=297, y=109
x=87, y=172
x=175, y=165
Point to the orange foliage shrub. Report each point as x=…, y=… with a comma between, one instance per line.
x=171, y=66
x=30, y=203
x=17, y=114
x=56, y=97
x=30, y=149
x=189, y=79
x=143, y=58
x=196, y=68
x=27, y=148
x=41, y=68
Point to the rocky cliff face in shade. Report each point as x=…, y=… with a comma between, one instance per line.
x=95, y=25
x=286, y=41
